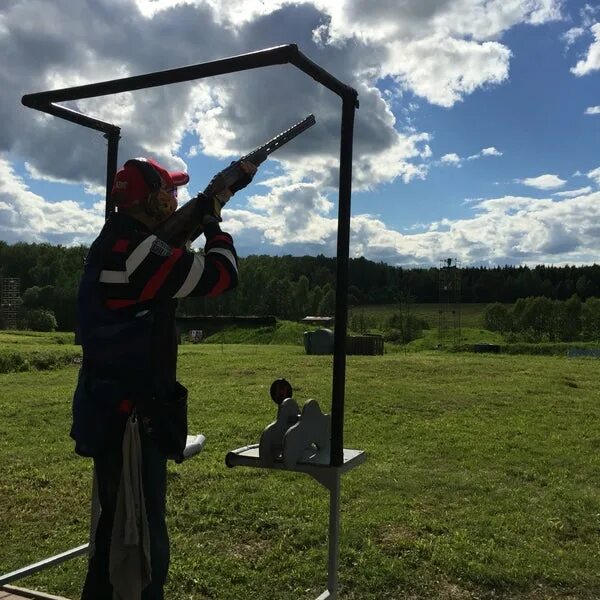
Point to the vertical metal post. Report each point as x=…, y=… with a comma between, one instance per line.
x=334, y=537
x=111, y=166
x=341, y=293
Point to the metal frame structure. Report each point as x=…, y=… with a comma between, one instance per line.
x=47, y=102
x=10, y=301
x=449, y=302
x=339, y=460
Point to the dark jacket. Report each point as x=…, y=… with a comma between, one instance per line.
x=126, y=326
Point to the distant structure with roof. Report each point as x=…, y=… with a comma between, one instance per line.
x=324, y=321
x=10, y=301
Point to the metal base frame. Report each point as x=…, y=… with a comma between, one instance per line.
x=329, y=477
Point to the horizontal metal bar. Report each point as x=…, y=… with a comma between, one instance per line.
x=20, y=592
x=43, y=564
x=318, y=73
x=46, y=101
x=75, y=117
x=261, y=58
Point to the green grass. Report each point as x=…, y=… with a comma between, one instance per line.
x=284, y=332
x=481, y=479
x=31, y=350
x=27, y=338
x=468, y=337
x=471, y=315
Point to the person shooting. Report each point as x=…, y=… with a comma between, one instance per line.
x=129, y=410
x=127, y=394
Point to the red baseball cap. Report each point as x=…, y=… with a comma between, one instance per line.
x=140, y=176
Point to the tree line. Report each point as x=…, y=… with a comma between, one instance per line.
x=540, y=319
x=291, y=287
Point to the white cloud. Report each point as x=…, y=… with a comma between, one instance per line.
x=502, y=230
x=451, y=158
x=443, y=70
x=592, y=110
x=543, y=182
x=37, y=175
x=440, y=50
x=458, y=54
x=591, y=62
x=513, y=230
x=480, y=19
x=510, y=229
x=573, y=193
x=594, y=175
x=572, y=35
x=25, y=216
x=491, y=151
x=95, y=190
x=544, y=11
x=299, y=218
x=589, y=14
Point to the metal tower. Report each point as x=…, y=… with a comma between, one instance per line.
x=10, y=301
x=449, y=299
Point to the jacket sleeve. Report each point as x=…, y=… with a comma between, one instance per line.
x=143, y=267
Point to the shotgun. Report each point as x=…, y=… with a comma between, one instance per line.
x=185, y=224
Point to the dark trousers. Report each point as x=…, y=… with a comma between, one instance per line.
x=154, y=480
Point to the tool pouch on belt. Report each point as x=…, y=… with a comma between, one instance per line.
x=96, y=416
x=165, y=421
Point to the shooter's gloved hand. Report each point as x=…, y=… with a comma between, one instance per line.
x=210, y=206
x=217, y=194
x=233, y=178
x=248, y=170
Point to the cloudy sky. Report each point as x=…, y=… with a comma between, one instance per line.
x=477, y=135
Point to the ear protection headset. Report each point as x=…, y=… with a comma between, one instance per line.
x=149, y=173
x=159, y=203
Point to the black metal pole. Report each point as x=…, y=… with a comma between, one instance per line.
x=45, y=101
x=68, y=114
x=349, y=102
x=112, y=153
x=319, y=74
x=242, y=62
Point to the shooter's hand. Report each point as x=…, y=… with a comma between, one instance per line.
x=216, y=201
x=249, y=170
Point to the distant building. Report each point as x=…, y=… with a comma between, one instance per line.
x=195, y=335
x=324, y=321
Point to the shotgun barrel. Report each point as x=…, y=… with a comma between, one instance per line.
x=185, y=224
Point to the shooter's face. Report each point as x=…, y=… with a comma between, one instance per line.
x=162, y=204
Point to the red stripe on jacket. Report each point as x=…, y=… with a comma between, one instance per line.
x=159, y=277
x=121, y=246
x=222, y=237
x=116, y=304
x=223, y=282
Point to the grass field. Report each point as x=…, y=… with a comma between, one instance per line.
x=31, y=350
x=481, y=480
x=471, y=315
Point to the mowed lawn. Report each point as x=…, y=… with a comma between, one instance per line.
x=471, y=315
x=482, y=479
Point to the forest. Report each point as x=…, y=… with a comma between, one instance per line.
x=290, y=287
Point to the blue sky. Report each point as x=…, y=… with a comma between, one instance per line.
x=477, y=136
